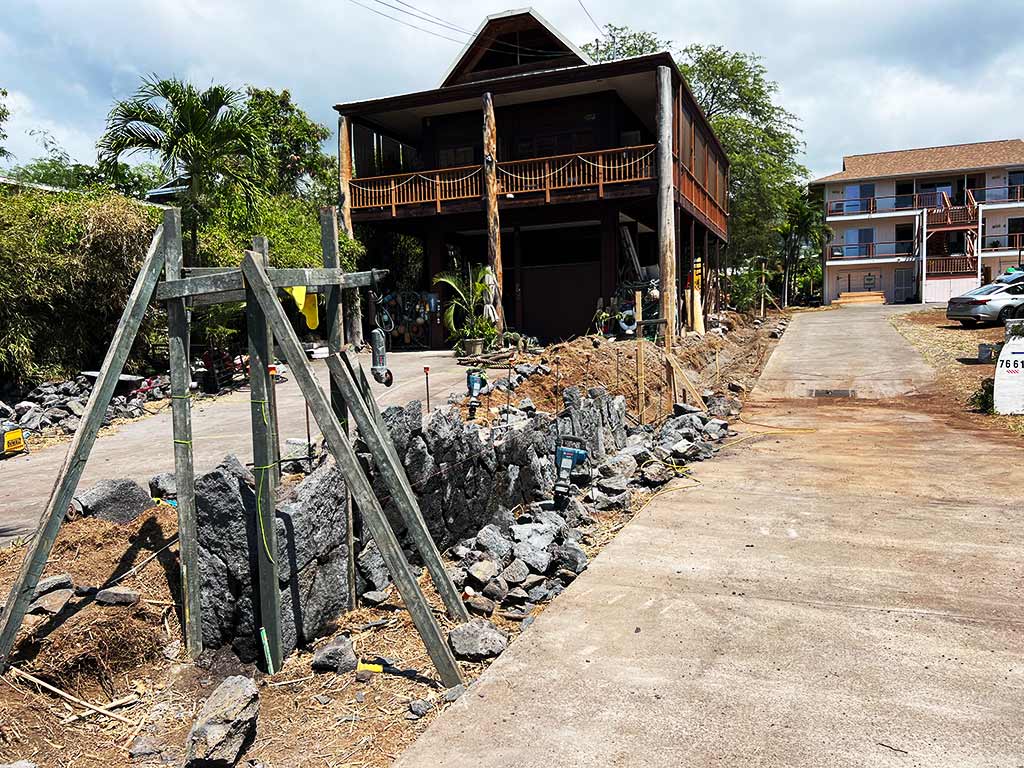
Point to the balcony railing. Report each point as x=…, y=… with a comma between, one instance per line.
x=586, y=170
x=883, y=204
x=881, y=250
x=952, y=265
x=1010, y=242
x=1009, y=194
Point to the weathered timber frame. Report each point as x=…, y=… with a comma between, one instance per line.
x=257, y=284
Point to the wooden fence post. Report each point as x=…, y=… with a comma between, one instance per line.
x=264, y=462
x=178, y=336
x=261, y=245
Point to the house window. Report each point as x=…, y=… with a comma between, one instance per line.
x=904, y=245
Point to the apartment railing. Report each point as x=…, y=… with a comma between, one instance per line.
x=858, y=206
x=595, y=170
x=1006, y=194
x=952, y=265
x=879, y=250
x=1009, y=242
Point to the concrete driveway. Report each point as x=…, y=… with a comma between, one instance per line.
x=141, y=449
x=849, y=348
x=847, y=596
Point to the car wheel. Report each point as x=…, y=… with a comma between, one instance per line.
x=1005, y=314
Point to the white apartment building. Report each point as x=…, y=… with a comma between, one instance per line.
x=924, y=224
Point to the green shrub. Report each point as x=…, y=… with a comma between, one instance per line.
x=983, y=399
x=67, y=264
x=291, y=224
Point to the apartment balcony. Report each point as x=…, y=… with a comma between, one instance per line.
x=894, y=249
x=1010, y=242
x=862, y=206
x=949, y=266
x=999, y=195
x=586, y=175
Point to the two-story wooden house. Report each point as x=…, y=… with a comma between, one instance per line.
x=555, y=169
x=924, y=224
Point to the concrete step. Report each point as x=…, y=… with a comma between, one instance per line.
x=860, y=297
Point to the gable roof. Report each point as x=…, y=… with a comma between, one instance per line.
x=556, y=47
x=908, y=162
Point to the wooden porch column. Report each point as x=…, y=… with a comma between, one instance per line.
x=692, y=271
x=350, y=297
x=666, y=203
x=491, y=201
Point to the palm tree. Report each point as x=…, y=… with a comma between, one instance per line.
x=471, y=297
x=208, y=135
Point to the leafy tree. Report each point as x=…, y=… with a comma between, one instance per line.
x=5, y=115
x=623, y=42
x=298, y=165
x=207, y=135
x=803, y=232
x=56, y=168
x=760, y=137
x=291, y=224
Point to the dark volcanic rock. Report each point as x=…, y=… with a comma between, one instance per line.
x=118, y=501
x=477, y=640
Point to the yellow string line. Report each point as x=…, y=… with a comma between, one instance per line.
x=259, y=511
x=263, y=409
x=183, y=442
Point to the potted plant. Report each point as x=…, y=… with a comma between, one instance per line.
x=465, y=314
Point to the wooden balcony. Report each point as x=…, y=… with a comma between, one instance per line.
x=882, y=250
x=541, y=177
x=1010, y=242
x=940, y=266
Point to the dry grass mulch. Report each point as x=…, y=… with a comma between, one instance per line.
x=953, y=351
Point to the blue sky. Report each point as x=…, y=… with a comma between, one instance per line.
x=862, y=75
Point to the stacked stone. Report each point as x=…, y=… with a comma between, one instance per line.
x=311, y=557
x=60, y=405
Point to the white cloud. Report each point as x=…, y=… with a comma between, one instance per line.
x=25, y=117
x=885, y=75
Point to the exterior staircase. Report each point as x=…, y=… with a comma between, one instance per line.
x=848, y=298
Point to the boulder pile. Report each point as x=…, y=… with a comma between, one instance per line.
x=59, y=405
x=489, y=501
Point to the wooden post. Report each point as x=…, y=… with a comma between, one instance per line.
x=396, y=481
x=341, y=449
x=178, y=335
x=335, y=342
x=350, y=303
x=261, y=245
x=74, y=462
x=491, y=202
x=666, y=204
x=693, y=283
x=641, y=392
x=345, y=173
x=268, y=632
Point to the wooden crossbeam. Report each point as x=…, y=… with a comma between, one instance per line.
x=376, y=437
x=85, y=436
x=340, y=447
x=231, y=281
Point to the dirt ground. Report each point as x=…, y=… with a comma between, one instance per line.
x=708, y=362
x=132, y=659
x=953, y=351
